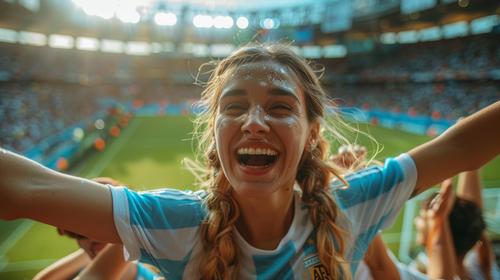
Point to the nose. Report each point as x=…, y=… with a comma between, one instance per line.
x=255, y=123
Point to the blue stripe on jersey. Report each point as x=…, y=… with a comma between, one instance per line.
x=144, y=273
x=165, y=209
x=369, y=183
x=171, y=270
x=275, y=266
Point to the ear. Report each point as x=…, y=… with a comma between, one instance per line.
x=314, y=129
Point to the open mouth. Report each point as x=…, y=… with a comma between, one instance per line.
x=257, y=157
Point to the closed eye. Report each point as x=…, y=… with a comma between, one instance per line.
x=281, y=107
x=280, y=110
x=234, y=107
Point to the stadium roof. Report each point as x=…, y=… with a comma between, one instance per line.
x=236, y=4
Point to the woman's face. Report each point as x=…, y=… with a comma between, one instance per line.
x=261, y=128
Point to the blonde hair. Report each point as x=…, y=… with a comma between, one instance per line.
x=314, y=175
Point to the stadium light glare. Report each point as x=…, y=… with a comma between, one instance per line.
x=242, y=23
x=103, y=9
x=61, y=41
x=8, y=35
x=138, y=48
x=333, y=51
x=484, y=24
x=225, y=22
x=112, y=46
x=388, y=38
x=128, y=15
x=87, y=44
x=203, y=21
x=165, y=19
x=269, y=23
x=32, y=38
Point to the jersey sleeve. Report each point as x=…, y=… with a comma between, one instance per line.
x=374, y=198
x=157, y=226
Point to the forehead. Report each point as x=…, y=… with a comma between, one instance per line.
x=262, y=72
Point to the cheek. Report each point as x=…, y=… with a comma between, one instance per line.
x=225, y=129
x=291, y=129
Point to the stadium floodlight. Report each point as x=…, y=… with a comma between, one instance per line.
x=32, y=38
x=484, y=24
x=112, y=46
x=61, y=41
x=225, y=22
x=269, y=23
x=128, y=15
x=388, y=38
x=8, y=35
x=138, y=48
x=103, y=9
x=333, y=51
x=87, y=43
x=242, y=23
x=203, y=21
x=165, y=19
x=407, y=37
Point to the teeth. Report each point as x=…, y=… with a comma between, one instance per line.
x=256, y=151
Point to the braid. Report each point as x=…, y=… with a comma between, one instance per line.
x=314, y=178
x=221, y=258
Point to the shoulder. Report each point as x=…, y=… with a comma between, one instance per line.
x=376, y=181
x=171, y=207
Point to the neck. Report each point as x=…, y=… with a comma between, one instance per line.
x=264, y=222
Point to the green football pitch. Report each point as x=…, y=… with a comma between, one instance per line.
x=148, y=155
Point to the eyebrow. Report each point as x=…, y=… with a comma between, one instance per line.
x=283, y=92
x=274, y=92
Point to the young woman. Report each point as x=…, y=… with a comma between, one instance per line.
x=269, y=209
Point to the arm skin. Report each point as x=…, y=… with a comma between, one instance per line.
x=439, y=244
x=109, y=264
x=30, y=190
x=466, y=146
x=470, y=187
x=64, y=268
x=380, y=264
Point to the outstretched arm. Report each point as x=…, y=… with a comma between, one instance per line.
x=30, y=190
x=466, y=146
x=64, y=268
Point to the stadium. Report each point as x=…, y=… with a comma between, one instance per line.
x=111, y=88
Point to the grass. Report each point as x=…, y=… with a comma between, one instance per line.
x=148, y=155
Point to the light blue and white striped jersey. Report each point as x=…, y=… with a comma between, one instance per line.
x=162, y=227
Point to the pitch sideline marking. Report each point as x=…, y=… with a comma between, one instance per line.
x=12, y=240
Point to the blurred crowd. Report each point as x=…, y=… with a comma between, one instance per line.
x=31, y=113
x=44, y=90
x=449, y=100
